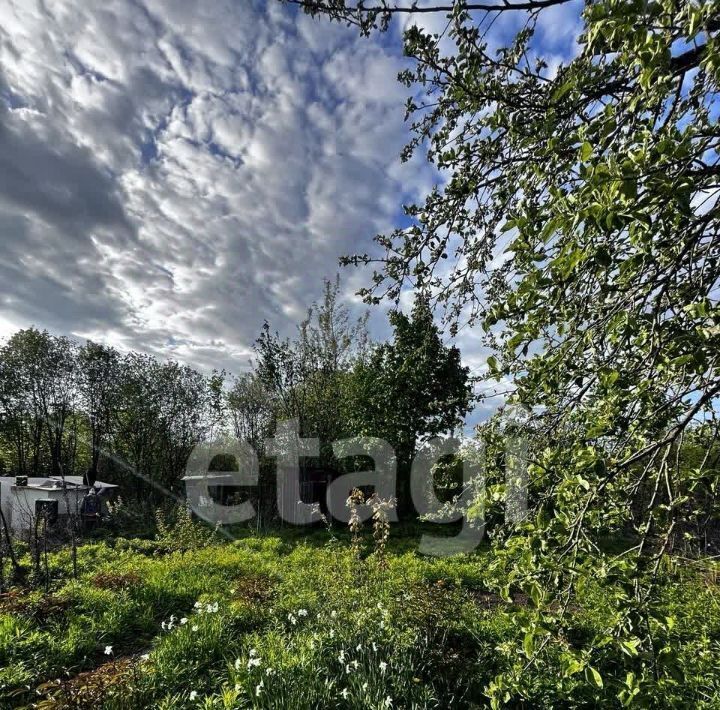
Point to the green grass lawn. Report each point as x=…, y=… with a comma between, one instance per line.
x=282, y=622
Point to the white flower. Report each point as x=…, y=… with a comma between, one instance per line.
x=341, y=656
x=252, y=653
x=193, y=695
x=383, y=666
x=108, y=650
x=253, y=662
x=333, y=614
x=345, y=693
x=332, y=633
x=388, y=701
x=270, y=671
x=292, y=619
x=197, y=605
x=347, y=669
x=195, y=628
x=302, y=612
x=183, y=621
x=164, y=625
x=238, y=663
x=374, y=646
x=365, y=686
x=145, y=656
x=355, y=664
x=259, y=687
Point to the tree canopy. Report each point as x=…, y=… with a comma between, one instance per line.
x=577, y=226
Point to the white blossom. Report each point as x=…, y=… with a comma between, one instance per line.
x=108, y=650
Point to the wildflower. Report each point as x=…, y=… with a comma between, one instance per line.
x=145, y=657
x=183, y=621
x=365, y=686
x=341, y=656
x=302, y=612
x=108, y=650
x=252, y=653
x=358, y=647
x=259, y=687
x=197, y=605
x=195, y=628
x=238, y=663
x=193, y=695
x=383, y=666
x=355, y=664
x=388, y=701
x=164, y=625
x=270, y=671
x=347, y=669
x=374, y=647
x=333, y=614
x=345, y=693
x=253, y=662
x=292, y=619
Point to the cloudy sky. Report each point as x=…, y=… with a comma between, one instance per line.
x=174, y=172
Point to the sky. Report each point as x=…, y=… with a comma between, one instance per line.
x=175, y=172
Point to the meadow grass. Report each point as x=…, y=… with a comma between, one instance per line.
x=277, y=621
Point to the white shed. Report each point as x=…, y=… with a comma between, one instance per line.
x=20, y=503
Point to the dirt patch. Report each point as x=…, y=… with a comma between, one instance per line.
x=90, y=688
x=39, y=607
x=115, y=581
x=255, y=589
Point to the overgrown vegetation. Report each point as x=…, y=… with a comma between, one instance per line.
x=271, y=622
x=87, y=410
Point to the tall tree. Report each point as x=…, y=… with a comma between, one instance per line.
x=99, y=376
x=409, y=390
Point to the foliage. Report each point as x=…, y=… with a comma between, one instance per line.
x=265, y=622
x=578, y=225
x=408, y=390
x=85, y=410
x=178, y=530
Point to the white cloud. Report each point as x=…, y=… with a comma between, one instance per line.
x=209, y=162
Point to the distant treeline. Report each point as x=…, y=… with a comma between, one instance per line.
x=87, y=409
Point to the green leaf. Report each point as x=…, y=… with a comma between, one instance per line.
x=593, y=677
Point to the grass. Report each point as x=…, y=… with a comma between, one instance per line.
x=278, y=621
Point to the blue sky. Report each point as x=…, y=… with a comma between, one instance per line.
x=173, y=173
